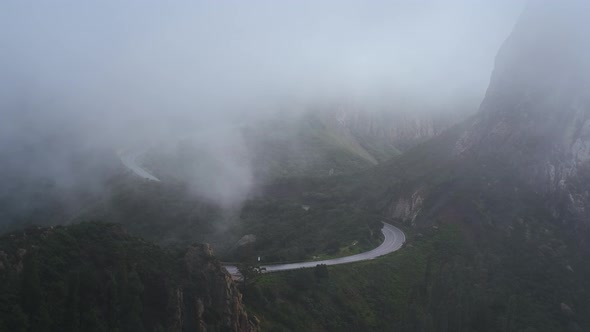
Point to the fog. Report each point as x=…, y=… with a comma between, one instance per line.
x=151, y=65
x=77, y=76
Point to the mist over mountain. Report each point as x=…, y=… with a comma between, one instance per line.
x=535, y=114
x=497, y=205
x=81, y=80
x=528, y=139
x=441, y=149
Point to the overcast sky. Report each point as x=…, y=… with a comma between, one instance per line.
x=118, y=64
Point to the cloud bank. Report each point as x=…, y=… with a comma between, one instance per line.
x=81, y=76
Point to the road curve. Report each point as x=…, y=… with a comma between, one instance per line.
x=394, y=239
x=129, y=159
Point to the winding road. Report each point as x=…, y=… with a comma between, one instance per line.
x=394, y=240
x=129, y=159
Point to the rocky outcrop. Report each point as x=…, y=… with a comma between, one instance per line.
x=407, y=208
x=216, y=304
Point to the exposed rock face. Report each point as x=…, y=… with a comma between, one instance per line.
x=247, y=239
x=407, y=208
x=402, y=130
x=218, y=303
x=536, y=113
x=535, y=118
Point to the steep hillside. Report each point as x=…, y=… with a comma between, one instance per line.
x=536, y=114
x=402, y=128
x=306, y=145
x=287, y=226
x=321, y=142
x=485, y=253
x=96, y=277
x=531, y=131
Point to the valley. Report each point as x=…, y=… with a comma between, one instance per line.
x=337, y=166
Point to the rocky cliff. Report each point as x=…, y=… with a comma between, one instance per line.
x=532, y=129
x=402, y=129
x=536, y=113
x=217, y=294
x=96, y=277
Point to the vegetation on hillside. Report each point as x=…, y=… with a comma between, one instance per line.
x=96, y=277
x=486, y=253
x=290, y=220
x=442, y=281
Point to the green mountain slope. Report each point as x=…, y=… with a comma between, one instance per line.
x=496, y=205
x=96, y=277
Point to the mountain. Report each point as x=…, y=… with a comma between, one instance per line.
x=514, y=177
x=402, y=128
x=340, y=139
x=324, y=141
x=495, y=207
x=533, y=125
x=96, y=277
x=536, y=113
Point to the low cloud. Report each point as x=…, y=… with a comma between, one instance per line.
x=79, y=76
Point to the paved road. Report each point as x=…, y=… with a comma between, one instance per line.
x=394, y=239
x=129, y=159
